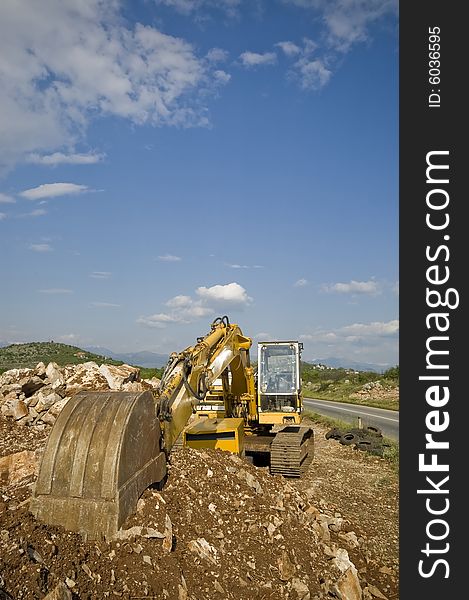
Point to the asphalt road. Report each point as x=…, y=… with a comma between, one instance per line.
x=386, y=420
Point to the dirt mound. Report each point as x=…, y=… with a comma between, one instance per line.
x=219, y=528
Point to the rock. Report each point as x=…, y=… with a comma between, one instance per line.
x=85, y=377
x=182, y=593
x=14, y=468
x=46, y=401
x=204, y=550
x=342, y=560
x=60, y=592
x=40, y=370
x=16, y=409
x=285, y=566
x=117, y=376
x=54, y=374
x=301, y=589
x=168, y=535
x=374, y=591
x=58, y=406
x=218, y=587
x=347, y=586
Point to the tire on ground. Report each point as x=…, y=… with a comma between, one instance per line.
x=348, y=439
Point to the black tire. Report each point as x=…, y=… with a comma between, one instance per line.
x=374, y=430
x=348, y=439
x=334, y=433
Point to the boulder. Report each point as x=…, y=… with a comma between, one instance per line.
x=14, y=468
x=116, y=376
x=85, y=377
x=14, y=408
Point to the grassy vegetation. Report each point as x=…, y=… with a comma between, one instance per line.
x=341, y=384
x=150, y=373
x=18, y=356
x=391, y=451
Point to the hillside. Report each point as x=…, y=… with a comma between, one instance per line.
x=29, y=355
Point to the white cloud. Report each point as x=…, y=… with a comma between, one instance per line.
x=301, y=282
x=254, y=59
x=55, y=291
x=52, y=190
x=2, y=216
x=216, y=55
x=185, y=309
x=40, y=247
x=376, y=328
x=188, y=7
x=59, y=158
x=231, y=293
x=104, y=305
x=67, y=63
x=221, y=76
x=375, y=342
x=37, y=212
x=289, y=48
x=354, y=287
x=313, y=73
x=179, y=302
x=237, y=266
x=101, y=275
x=347, y=21
x=6, y=199
x=169, y=258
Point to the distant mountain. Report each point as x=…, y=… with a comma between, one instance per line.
x=144, y=358
x=343, y=363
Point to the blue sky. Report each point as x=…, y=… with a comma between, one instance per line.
x=165, y=162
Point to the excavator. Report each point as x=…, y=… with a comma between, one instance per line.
x=107, y=447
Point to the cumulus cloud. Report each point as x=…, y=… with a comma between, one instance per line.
x=185, y=309
x=217, y=55
x=254, y=59
x=353, y=287
x=40, y=247
x=221, y=76
x=374, y=342
x=100, y=274
x=347, y=22
x=169, y=258
x=52, y=190
x=231, y=293
x=2, y=216
x=376, y=328
x=6, y=199
x=59, y=158
x=301, y=282
x=289, y=48
x=67, y=63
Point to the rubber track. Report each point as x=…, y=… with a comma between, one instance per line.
x=292, y=452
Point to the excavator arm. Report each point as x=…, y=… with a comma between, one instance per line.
x=106, y=448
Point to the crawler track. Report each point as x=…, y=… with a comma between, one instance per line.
x=292, y=451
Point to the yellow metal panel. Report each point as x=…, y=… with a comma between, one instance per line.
x=219, y=434
x=279, y=418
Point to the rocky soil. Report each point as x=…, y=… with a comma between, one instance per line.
x=220, y=528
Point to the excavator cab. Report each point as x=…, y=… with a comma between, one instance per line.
x=279, y=382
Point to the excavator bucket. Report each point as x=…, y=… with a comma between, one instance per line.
x=102, y=453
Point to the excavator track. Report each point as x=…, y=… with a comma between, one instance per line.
x=292, y=451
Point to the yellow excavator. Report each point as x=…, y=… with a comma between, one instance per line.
x=107, y=447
